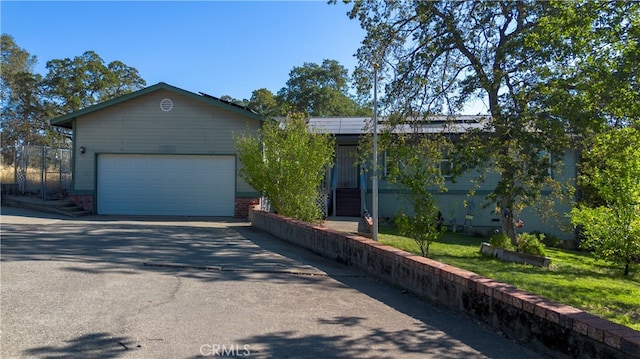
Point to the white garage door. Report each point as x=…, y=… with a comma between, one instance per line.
x=166, y=185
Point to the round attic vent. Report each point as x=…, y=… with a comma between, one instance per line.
x=166, y=105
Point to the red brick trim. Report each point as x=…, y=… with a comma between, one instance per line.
x=83, y=200
x=242, y=205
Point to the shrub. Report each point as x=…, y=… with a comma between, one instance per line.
x=550, y=240
x=500, y=240
x=530, y=243
x=287, y=162
x=611, y=225
x=424, y=226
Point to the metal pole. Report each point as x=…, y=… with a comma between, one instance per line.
x=43, y=174
x=16, y=181
x=59, y=163
x=374, y=187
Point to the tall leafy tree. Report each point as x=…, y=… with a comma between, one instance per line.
x=287, y=162
x=593, y=55
x=232, y=99
x=320, y=91
x=612, y=169
x=265, y=103
x=29, y=99
x=438, y=56
x=14, y=60
x=24, y=117
x=73, y=84
x=24, y=109
x=120, y=79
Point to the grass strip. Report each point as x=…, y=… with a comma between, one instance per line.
x=574, y=278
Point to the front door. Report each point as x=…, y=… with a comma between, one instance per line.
x=347, y=168
x=347, y=191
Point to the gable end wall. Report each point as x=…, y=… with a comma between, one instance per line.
x=139, y=126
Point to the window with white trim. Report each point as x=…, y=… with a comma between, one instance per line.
x=446, y=168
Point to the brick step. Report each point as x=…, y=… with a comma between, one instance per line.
x=63, y=207
x=348, y=202
x=71, y=209
x=348, y=193
x=348, y=212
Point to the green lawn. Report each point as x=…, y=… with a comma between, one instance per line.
x=574, y=278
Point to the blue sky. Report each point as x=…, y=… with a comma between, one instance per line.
x=221, y=48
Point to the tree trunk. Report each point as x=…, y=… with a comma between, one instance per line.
x=626, y=268
x=506, y=220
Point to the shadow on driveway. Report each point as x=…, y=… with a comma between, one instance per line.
x=190, y=246
x=95, y=345
x=231, y=250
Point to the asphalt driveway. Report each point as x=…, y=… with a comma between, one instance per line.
x=109, y=287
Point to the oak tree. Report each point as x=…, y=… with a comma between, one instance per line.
x=523, y=59
x=29, y=100
x=24, y=108
x=82, y=81
x=320, y=91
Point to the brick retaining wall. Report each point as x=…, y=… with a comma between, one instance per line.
x=554, y=328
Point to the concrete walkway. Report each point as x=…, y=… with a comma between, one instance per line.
x=346, y=224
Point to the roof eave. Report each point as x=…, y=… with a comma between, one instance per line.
x=67, y=123
x=67, y=120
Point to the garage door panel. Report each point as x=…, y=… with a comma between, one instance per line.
x=166, y=185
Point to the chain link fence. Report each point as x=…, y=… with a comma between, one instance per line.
x=39, y=171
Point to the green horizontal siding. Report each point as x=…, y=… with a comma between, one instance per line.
x=139, y=126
